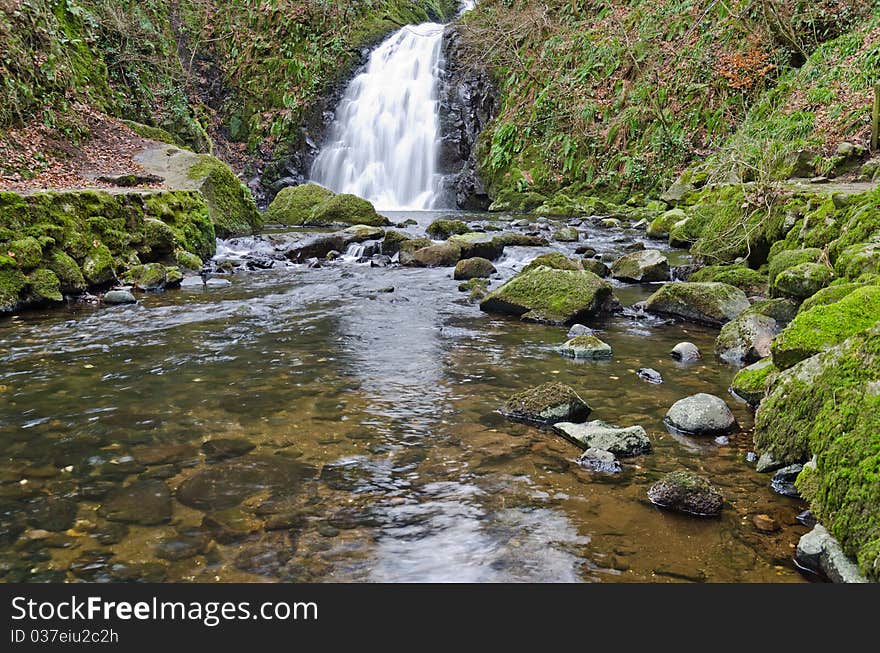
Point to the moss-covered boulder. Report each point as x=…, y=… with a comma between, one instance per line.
x=801, y=281
x=641, y=267
x=442, y=229
x=231, y=206
x=686, y=232
x=159, y=241
x=828, y=406
x=12, y=283
x=747, y=338
x=555, y=260
x=687, y=492
x=595, y=266
x=408, y=247
x=790, y=258
x=188, y=260
x=833, y=293
x=473, y=268
x=546, y=405
x=858, y=259
x=586, y=347
x=550, y=296
x=566, y=235
x=347, y=209
x=480, y=245
x=750, y=383
x=147, y=278
x=69, y=275
x=44, y=287
x=515, y=202
x=27, y=252
x=392, y=242
x=661, y=225
x=751, y=282
x=99, y=266
x=437, y=255
x=294, y=205
x=825, y=326
x=710, y=303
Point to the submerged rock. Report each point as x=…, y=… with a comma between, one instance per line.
x=599, y=460
x=641, y=267
x=701, y=414
x=223, y=448
x=52, y=514
x=710, y=303
x=686, y=492
x=547, y=404
x=686, y=352
x=551, y=296
x=586, y=347
x=142, y=502
x=620, y=441
x=649, y=375
x=818, y=551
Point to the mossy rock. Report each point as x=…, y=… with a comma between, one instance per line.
x=825, y=326
x=660, y=226
x=566, y=235
x=645, y=266
x=392, y=242
x=751, y=282
x=152, y=133
x=687, y=232
x=12, y=282
x=801, y=281
x=44, y=287
x=750, y=383
x=586, y=347
x=294, y=205
x=27, y=252
x=781, y=310
x=833, y=293
x=69, y=275
x=473, y=268
x=858, y=259
x=173, y=276
x=188, y=260
x=149, y=277
x=596, y=267
x=829, y=406
x=555, y=260
x=99, y=267
x=475, y=287
x=407, y=249
x=551, y=296
x=347, y=209
x=443, y=229
x=546, y=405
x=481, y=245
x=437, y=255
x=790, y=258
x=687, y=492
x=709, y=303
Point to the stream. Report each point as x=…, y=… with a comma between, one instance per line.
x=308, y=424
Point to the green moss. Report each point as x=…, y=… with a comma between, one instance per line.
x=188, y=261
x=781, y=310
x=547, y=403
x=230, y=202
x=173, y=276
x=393, y=241
x=27, y=252
x=750, y=383
x=44, y=286
x=569, y=203
x=68, y=273
x=159, y=240
x=12, y=282
x=707, y=303
x=517, y=202
x=443, y=229
x=857, y=260
x=546, y=295
x=347, y=209
x=830, y=295
x=187, y=213
x=99, y=266
x=790, y=258
x=685, y=233
x=152, y=133
x=821, y=327
x=555, y=260
x=801, y=281
x=751, y=282
x=829, y=406
x=662, y=224
x=294, y=205
x=151, y=276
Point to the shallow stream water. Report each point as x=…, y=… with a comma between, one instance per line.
x=359, y=439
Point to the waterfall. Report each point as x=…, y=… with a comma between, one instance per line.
x=384, y=140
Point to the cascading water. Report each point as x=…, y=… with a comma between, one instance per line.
x=384, y=140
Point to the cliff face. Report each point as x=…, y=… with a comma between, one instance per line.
x=468, y=101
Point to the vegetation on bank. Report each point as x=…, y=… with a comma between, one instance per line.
x=613, y=98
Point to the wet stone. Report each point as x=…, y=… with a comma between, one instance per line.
x=231, y=525
x=138, y=572
x=686, y=352
x=268, y=555
x=701, y=414
x=225, y=448
x=688, y=493
x=765, y=523
x=142, y=502
x=110, y=533
x=162, y=454
x=346, y=475
x=92, y=566
x=649, y=375
x=227, y=484
x=599, y=460
x=783, y=481
x=52, y=514
x=96, y=490
x=326, y=530
x=185, y=544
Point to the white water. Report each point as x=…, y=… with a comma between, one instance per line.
x=384, y=140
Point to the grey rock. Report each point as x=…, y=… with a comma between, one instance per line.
x=641, y=267
x=218, y=283
x=142, y=502
x=818, y=551
x=783, y=481
x=701, y=414
x=746, y=339
x=766, y=463
x=547, y=404
x=586, y=347
x=686, y=352
x=620, y=441
x=599, y=460
x=579, y=330
x=119, y=297
x=650, y=375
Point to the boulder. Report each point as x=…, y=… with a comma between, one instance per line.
x=442, y=229
x=818, y=551
x=641, y=267
x=686, y=492
x=701, y=414
x=555, y=260
x=801, y=281
x=440, y=255
x=746, y=339
x=566, y=235
x=621, y=441
x=547, y=404
x=294, y=205
x=596, y=267
x=599, y=460
x=750, y=383
x=751, y=282
x=473, y=268
x=117, y=297
x=686, y=352
x=660, y=226
x=579, y=330
x=710, y=303
x=783, y=481
x=586, y=347
x=347, y=209
x=477, y=244
x=550, y=296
